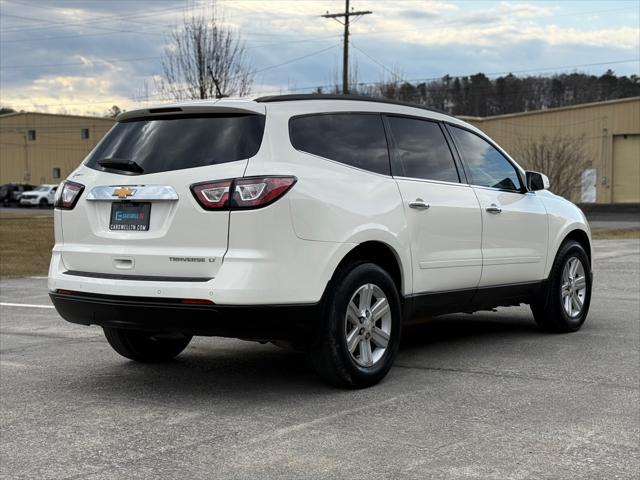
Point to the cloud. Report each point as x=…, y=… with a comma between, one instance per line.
x=526, y=10
x=623, y=38
x=70, y=94
x=418, y=38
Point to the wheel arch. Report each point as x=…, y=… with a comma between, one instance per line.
x=575, y=232
x=380, y=253
x=583, y=239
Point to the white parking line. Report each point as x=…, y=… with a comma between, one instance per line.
x=24, y=305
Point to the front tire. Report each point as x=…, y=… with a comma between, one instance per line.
x=361, y=331
x=564, y=305
x=145, y=347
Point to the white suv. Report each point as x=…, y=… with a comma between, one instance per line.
x=321, y=221
x=41, y=196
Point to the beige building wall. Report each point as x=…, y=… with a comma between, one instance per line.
x=611, y=132
x=58, y=146
x=604, y=125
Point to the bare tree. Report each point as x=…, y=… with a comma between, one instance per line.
x=204, y=59
x=560, y=157
x=113, y=112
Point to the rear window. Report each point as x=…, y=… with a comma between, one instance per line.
x=180, y=141
x=355, y=139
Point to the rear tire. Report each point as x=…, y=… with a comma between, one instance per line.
x=145, y=346
x=564, y=305
x=361, y=330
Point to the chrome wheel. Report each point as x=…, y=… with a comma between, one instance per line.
x=367, y=326
x=574, y=287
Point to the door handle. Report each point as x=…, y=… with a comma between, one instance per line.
x=419, y=204
x=494, y=208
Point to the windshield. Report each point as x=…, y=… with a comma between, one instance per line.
x=179, y=141
x=41, y=188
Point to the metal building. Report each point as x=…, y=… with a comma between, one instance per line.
x=611, y=134
x=41, y=148
x=44, y=148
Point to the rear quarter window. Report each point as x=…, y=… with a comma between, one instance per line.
x=355, y=139
x=175, y=142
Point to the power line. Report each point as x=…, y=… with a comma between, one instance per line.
x=47, y=39
x=309, y=87
x=461, y=22
x=413, y=80
x=260, y=70
x=156, y=57
x=124, y=16
x=128, y=17
x=477, y=92
x=384, y=67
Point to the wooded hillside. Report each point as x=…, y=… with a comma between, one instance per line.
x=478, y=95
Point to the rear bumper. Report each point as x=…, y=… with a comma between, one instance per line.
x=297, y=323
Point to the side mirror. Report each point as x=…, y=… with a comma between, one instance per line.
x=537, y=181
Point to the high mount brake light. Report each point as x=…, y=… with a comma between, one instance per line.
x=68, y=195
x=241, y=193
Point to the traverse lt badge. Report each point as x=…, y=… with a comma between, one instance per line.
x=124, y=192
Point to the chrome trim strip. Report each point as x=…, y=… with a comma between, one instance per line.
x=510, y=260
x=343, y=164
x=465, y=262
x=426, y=180
x=142, y=192
x=494, y=189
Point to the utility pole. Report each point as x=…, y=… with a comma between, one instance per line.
x=345, y=52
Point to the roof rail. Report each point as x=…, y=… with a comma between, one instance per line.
x=323, y=96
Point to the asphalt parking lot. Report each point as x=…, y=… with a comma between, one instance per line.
x=471, y=396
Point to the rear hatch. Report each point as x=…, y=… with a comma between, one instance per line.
x=136, y=215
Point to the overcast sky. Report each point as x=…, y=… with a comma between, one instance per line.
x=84, y=56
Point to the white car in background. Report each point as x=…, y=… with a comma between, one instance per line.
x=323, y=221
x=42, y=196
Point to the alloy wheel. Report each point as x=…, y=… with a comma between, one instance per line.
x=367, y=326
x=574, y=287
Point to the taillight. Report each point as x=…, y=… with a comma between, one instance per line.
x=68, y=195
x=241, y=193
x=213, y=195
x=259, y=192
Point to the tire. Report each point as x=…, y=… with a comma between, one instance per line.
x=571, y=279
x=358, y=285
x=145, y=346
x=43, y=203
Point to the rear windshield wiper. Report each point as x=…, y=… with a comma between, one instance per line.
x=121, y=164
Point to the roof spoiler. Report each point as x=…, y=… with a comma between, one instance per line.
x=200, y=107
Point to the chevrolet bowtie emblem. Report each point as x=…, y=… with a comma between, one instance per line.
x=123, y=192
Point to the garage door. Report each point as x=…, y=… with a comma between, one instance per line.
x=626, y=168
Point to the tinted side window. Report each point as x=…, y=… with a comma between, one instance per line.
x=487, y=166
x=421, y=151
x=351, y=138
